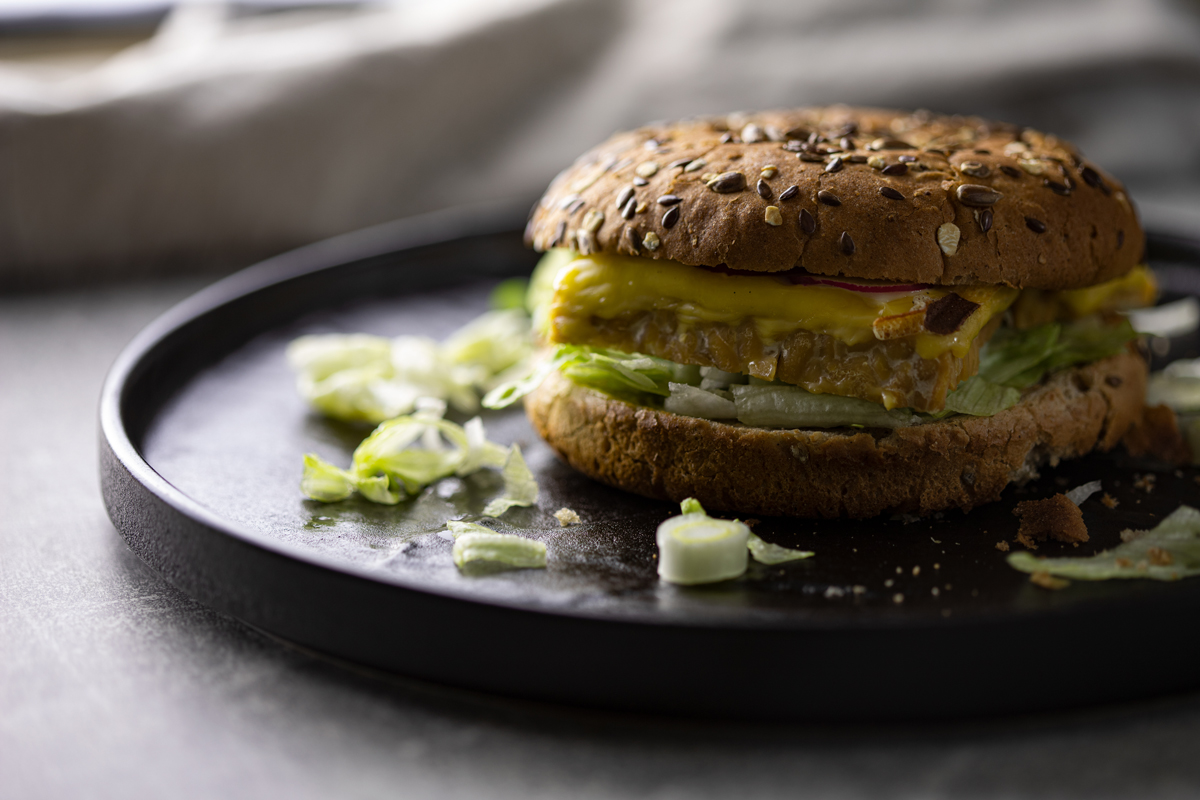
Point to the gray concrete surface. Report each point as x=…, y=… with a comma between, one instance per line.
x=114, y=684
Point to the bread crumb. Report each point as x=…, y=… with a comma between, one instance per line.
x=858, y=589
x=1109, y=500
x=1129, y=534
x=1145, y=482
x=1053, y=518
x=566, y=516
x=916, y=571
x=1002, y=547
x=1156, y=434
x=897, y=598
x=834, y=591
x=1048, y=581
x=750, y=523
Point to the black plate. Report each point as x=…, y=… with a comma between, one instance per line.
x=202, y=435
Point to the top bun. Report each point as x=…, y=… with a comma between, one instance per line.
x=865, y=193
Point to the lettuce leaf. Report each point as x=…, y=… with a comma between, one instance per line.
x=1168, y=552
x=520, y=488
x=362, y=378
x=771, y=554
x=405, y=454
x=781, y=406
x=1019, y=359
x=475, y=543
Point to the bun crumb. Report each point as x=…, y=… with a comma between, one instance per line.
x=1053, y=518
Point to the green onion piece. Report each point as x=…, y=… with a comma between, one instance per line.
x=520, y=489
x=498, y=549
x=767, y=553
x=691, y=505
x=1168, y=552
x=694, y=548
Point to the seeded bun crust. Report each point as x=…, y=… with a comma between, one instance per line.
x=906, y=197
x=960, y=462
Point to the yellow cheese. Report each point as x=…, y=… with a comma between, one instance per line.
x=607, y=286
x=1135, y=289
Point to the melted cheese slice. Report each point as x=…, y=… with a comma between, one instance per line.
x=607, y=286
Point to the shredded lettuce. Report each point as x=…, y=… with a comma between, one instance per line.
x=1168, y=552
x=770, y=554
x=781, y=406
x=474, y=543
x=1020, y=359
x=520, y=489
x=357, y=377
x=405, y=454
x=979, y=397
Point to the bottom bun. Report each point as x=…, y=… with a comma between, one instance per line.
x=960, y=462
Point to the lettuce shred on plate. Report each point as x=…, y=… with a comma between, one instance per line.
x=405, y=454
x=1167, y=552
x=1011, y=361
x=363, y=378
x=474, y=543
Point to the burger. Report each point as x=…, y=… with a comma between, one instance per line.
x=834, y=311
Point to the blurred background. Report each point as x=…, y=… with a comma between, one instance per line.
x=143, y=138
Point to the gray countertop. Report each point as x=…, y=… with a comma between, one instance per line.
x=115, y=684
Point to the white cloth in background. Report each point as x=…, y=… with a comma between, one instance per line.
x=224, y=139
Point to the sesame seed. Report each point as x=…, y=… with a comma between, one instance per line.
x=773, y=217
x=625, y=196
x=638, y=180
x=559, y=233
x=679, y=162
x=890, y=193
x=769, y=171
x=907, y=159
x=812, y=158
x=695, y=166
x=789, y=192
x=647, y=169
x=578, y=204
x=856, y=158
x=1035, y=225
x=671, y=217
x=985, y=220
x=764, y=191
x=651, y=242
x=628, y=211
x=846, y=143
x=1011, y=172
x=834, y=165
x=846, y=243
x=895, y=169
x=669, y=199
x=828, y=198
x=752, y=133
x=593, y=220
x=568, y=201
x=808, y=223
